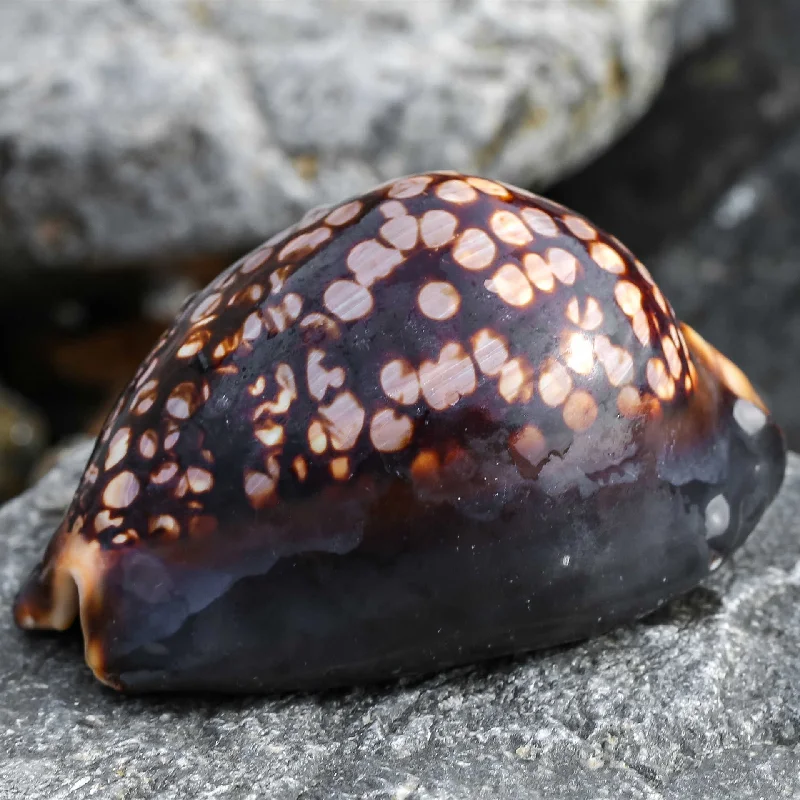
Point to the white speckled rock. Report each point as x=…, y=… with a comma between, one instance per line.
x=699, y=702
x=134, y=128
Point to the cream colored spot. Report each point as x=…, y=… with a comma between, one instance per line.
x=348, y=300
x=489, y=187
x=254, y=293
x=474, y=250
x=200, y=480
x=182, y=401
x=562, y=264
x=516, y=381
x=344, y=214
x=580, y=227
x=277, y=278
x=577, y=351
x=450, y=377
x=322, y=323
x=340, y=468
x=148, y=444
x=152, y=364
x=439, y=300
x=286, y=312
x=629, y=297
x=645, y=272
x=580, y=410
x=300, y=468
x=554, y=384
x=252, y=327
x=616, y=361
x=592, y=316
x=319, y=378
x=659, y=379
x=270, y=434
x=193, y=344
x=104, y=520
x=607, y=258
x=258, y=387
x=662, y=303
x=456, y=191
x=312, y=216
x=205, y=307
x=392, y=208
x=343, y=420
x=717, y=516
x=121, y=490
x=671, y=354
x=530, y=443
x=629, y=402
x=317, y=438
x=171, y=439
x=305, y=243
x=164, y=525
x=145, y=398
x=125, y=537
x=750, y=417
x=255, y=260
x=165, y=473
x=401, y=232
x=511, y=285
x=490, y=350
x=539, y=273
x=409, y=187
x=437, y=228
x=510, y=229
x=226, y=346
x=118, y=447
x=540, y=222
x=259, y=488
x=287, y=393
x=399, y=381
x=370, y=261
x=390, y=432
x=641, y=327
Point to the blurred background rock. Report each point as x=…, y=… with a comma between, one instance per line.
x=145, y=144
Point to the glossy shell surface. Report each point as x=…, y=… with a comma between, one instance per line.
x=442, y=421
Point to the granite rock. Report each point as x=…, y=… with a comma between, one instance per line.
x=697, y=701
x=134, y=129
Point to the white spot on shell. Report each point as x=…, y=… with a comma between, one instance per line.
x=718, y=516
x=401, y=232
x=439, y=300
x=750, y=417
x=540, y=222
x=509, y=228
x=343, y=420
x=200, y=480
x=607, y=258
x=118, y=447
x=370, y=261
x=319, y=378
x=399, y=381
x=437, y=228
x=511, y=285
x=490, y=350
x=305, y=242
x=389, y=431
x=121, y=490
x=409, y=187
x=205, y=307
x=456, y=191
x=474, y=250
x=450, y=377
x=348, y=300
x=344, y=214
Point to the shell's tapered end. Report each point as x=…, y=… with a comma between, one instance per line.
x=64, y=586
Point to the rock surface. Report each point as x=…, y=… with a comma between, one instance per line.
x=698, y=701
x=136, y=128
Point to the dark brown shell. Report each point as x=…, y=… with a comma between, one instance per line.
x=444, y=420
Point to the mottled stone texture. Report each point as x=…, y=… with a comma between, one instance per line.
x=698, y=701
x=134, y=128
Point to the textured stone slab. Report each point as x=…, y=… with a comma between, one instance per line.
x=698, y=701
x=134, y=129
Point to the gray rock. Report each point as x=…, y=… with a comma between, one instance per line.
x=698, y=701
x=136, y=128
x=699, y=20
